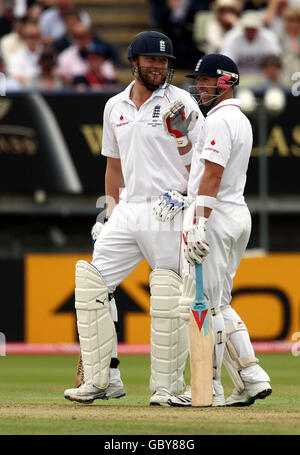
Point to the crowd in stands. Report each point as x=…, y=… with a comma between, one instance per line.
x=262, y=36
x=52, y=45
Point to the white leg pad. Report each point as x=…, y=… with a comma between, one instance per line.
x=219, y=338
x=169, y=341
x=188, y=292
x=96, y=328
x=232, y=362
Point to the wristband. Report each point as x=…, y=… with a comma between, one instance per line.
x=187, y=158
x=182, y=141
x=206, y=201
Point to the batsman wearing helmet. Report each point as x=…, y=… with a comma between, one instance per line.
x=146, y=163
x=218, y=224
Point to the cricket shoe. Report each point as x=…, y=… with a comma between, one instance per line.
x=161, y=397
x=181, y=400
x=186, y=399
x=218, y=400
x=87, y=393
x=252, y=392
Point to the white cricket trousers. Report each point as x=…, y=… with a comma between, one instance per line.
x=228, y=232
x=132, y=234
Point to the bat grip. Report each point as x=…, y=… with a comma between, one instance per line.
x=199, y=282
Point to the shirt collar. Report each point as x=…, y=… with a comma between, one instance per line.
x=126, y=93
x=229, y=102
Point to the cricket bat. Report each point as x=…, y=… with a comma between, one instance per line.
x=201, y=346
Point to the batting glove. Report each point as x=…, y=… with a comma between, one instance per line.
x=195, y=246
x=96, y=229
x=168, y=205
x=176, y=124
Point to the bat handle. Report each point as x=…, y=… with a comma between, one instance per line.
x=199, y=282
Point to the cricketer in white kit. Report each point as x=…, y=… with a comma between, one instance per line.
x=145, y=162
x=217, y=228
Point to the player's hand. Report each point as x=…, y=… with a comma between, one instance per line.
x=176, y=124
x=168, y=205
x=195, y=246
x=96, y=229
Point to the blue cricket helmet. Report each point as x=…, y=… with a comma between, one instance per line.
x=151, y=43
x=216, y=65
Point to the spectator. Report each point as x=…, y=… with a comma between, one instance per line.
x=48, y=77
x=177, y=24
x=34, y=12
x=272, y=16
x=23, y=64
x=71, y=18
x=248, y=44
x=96, y=76
x=225, y=17
x=51, y=20
x=290, y=43
x=157, y=11
x=11, y=85
x=71, y=61
x=271, y=72
x=13, y=41
x=6, y=17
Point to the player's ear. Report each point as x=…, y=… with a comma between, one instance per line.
x=135, y=61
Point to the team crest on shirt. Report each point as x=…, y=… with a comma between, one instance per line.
x=156, y=111
x=155, y=116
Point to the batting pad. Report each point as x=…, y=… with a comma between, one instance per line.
x=96, y=328
x=233, y=363
x=188, y=292
x=169, y=341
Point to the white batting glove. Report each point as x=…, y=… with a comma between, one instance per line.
x=168, y=205
x=96, y=229
x=195, y=246
x=188, y=292
x=176, y=124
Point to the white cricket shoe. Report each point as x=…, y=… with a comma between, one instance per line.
x=186, y=399
x=181, y=400
x=161, y=397
x=252, y=392
x=218, y=400
x=87, y=393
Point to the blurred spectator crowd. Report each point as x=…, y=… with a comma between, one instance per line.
x=262, y=36
x=52, y=45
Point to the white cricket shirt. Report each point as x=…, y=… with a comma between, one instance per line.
x=150, y=160
x=226, y=139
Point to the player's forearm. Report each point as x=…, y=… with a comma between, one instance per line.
x=185, y=153
x=209, y=186
x=184, y=150
x=113, y=183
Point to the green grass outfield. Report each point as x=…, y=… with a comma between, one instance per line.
x=32, y=403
